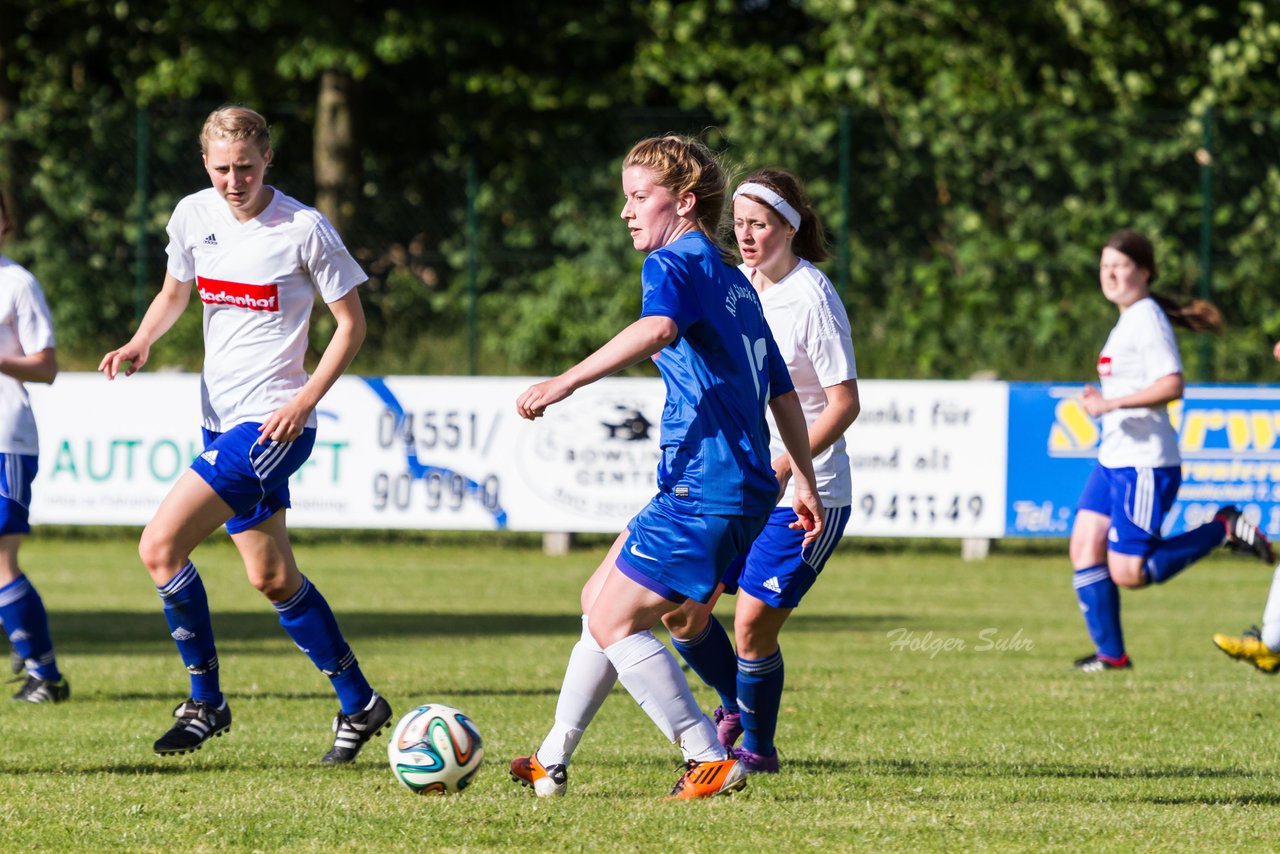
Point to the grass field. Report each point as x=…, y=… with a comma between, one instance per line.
x=923, y=745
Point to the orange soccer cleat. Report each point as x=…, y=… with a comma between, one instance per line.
x=706, y=779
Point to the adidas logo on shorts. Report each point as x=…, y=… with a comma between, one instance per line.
x=211, y=240
x=182, y=633
x=210, y=457
x=772, y=584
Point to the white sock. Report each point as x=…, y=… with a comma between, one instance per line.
x=701, y=743
x=1271, y=615
x=588, y=679
x=649, y=671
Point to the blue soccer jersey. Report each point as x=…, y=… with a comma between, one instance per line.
x=720, y=373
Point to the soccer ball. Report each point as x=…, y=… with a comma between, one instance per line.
x=435, y=750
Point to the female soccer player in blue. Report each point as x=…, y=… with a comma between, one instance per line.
x=1115, y=541
x=703, y=325
x=779, y=236
x=27, y=355
x=256, y=258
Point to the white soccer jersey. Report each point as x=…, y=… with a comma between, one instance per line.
x=811, y=327
x=257, y=281
x=1140, y=350
x=25, y=329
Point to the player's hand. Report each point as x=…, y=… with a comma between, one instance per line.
x=1094, y=403
x=1275, y=351
x=134, y=354
x=810, y=516
x=537, y=397
x=285, y=424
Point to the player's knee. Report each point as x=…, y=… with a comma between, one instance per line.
x=755, y=643
x=685, y=623
x=1128, y=575
x=159, y=554
x=272, y=582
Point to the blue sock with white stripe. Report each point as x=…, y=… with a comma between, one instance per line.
x=307, y=618
x=1177, y=553
x=186, y=609
x=759, y=698
x=710, y=655
x=1100, y=604
x=22, y=612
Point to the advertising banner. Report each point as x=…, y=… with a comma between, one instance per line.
x=928, y=459
x=392, y=452
x=450, y=453
x=1227, y=434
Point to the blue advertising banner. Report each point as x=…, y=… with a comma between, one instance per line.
x=1230, y=441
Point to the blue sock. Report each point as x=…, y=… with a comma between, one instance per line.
x=759, y=697
x=1100, y=603
x=1177, y=553
x=711, y=656
x=186, y=608
x=307, y=618
x=24, y=617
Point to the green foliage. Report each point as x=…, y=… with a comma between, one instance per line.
x=992, y=150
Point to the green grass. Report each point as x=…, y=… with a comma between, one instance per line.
x=882, y=749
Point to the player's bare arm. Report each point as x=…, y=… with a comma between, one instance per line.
x=638, y=341
x=163, y=312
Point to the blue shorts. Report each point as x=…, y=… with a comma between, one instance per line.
x=775, y=569
x=253, y=479
x=681, y=556
x=1136, y=500
x=16, y=473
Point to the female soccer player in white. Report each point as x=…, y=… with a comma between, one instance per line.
x=256, y=257
x=27, y=355
x=1115, y=541
x=1259, y=647
x=702, y=324
x=779, y=236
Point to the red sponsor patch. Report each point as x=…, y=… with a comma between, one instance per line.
x=238, y=294
x=1104, y=366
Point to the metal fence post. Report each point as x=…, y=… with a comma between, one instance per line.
x=473, y=239
x=142, y=185
x=1205, y=157
x=843, y=260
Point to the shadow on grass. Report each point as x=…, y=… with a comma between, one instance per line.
x=240, y=697
x=110, y=632
x=1061, y=770
x=1269, y=799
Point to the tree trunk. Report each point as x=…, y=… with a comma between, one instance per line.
x=337, y=167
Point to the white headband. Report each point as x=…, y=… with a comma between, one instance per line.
x=773, y=200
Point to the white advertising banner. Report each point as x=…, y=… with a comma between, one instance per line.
x=391, y=452
x=450, y=453
x=928, y=459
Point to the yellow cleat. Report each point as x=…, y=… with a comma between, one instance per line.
x=1249, y=647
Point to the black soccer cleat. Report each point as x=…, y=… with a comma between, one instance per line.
x=197, y=723
x=352, y=731
x=1096, y=664
x=37, y=690
x=1243, y=536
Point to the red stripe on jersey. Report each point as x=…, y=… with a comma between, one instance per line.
x=238, y=294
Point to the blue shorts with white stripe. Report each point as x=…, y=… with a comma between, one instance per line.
x=1136, y=500
x=775, y=570
x=253, y=479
